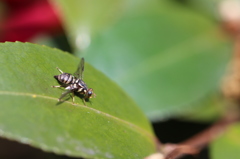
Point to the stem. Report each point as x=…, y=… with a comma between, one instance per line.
x=193, y=145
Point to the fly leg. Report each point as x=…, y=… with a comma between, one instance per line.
x=64, y=94
x=57, y=86
x=59, y=70
x=84, y=101
x=72, y=97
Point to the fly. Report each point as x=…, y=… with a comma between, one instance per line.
x=74, y=83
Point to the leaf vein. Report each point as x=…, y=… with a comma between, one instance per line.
x=131, y=125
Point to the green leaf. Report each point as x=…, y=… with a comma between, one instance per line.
x=209, y=8
x=87, y=18
x=210, y=109
x=110, y=126
x=165, y=56
x=227, y=146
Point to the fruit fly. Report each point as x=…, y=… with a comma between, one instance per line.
x=74, y=83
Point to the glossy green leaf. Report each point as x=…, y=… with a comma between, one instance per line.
x=165, y=56
x=228, y=145
x=110, y=126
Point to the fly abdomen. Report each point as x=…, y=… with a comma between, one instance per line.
x=65, y=78
x=69, y=79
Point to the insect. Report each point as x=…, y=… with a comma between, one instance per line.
x=74, y=83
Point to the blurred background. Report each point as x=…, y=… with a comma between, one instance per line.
x=169, y=56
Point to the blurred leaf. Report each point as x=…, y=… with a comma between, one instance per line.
x=208, y=8
x=86, y=18
x=208, y=109
x=110, y=126
x=227, y=146
x=59, y=41
x=165, y=56
x=44, y=40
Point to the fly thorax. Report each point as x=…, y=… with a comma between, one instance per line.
x=80, y=89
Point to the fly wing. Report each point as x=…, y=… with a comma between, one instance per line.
x=80, y=69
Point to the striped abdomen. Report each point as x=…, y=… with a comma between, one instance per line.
x=65, y=78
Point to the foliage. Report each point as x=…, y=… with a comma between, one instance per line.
x=32, y=114
x=167, y=57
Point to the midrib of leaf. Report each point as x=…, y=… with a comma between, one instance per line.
x=130, y=125
x=153, y=63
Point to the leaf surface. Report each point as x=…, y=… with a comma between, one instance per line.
x=165, y=56
x=110, y=126
x=228, y=145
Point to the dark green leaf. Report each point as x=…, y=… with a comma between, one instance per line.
x=111, y=126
